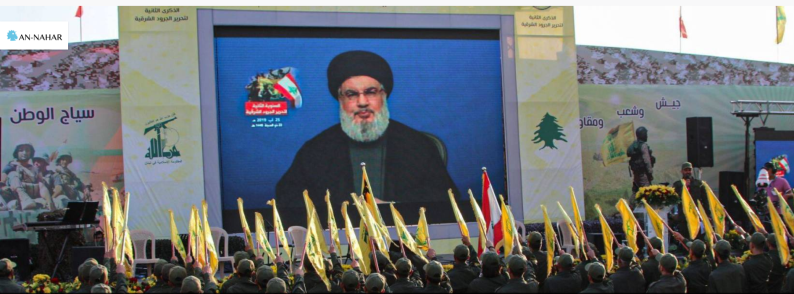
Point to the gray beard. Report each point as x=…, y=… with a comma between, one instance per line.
x=365, y=131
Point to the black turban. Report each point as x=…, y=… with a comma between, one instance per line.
x=358, y=63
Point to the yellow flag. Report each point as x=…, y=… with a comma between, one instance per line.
x=366, y=192
x=577, y=217
x=780, y=233
x=118, y=223
x=107, y=214
x=750, y=213
x=464, y=230
x=785, y=210
x=607, y=232
x=707, y=226
x=332, y=222
x=422, y=233
x=311, y=214
x=175, y=239
x=192, y=235
x=617, y=141
x=691, y=213
x=403, y=234
x=717, y=211
x=370, y=223
x=366, y=249
x=569, y=227
x=551, y=238
x=629, y=224
x=507, y=229
x=201, y=244
x=279, y=228
x=244, y=223
x=124, y=243
x=480, y=223
x=353, y=241
x=516, y=236
x=128, y=246
x=656, y=221
x=781, y=23
x=261, y=236
x=212, y=252
x=314, y=250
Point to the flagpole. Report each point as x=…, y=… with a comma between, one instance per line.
x=680, y=34
x=374, y=256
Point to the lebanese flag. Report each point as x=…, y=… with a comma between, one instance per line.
x=79, y=12
x=681, y=26
x=491, y=212
x=289, y=89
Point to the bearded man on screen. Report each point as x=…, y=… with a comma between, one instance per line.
x=403, y=164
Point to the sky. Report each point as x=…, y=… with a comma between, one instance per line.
x=744, y=32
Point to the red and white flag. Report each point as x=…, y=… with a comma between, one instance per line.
x=79, y=12
x=681, y=26
x=289, y=89
x=491, y=212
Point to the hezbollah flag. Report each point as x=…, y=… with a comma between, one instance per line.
x=192, y=235
x=617, y=141
x=422, y=232
x=691, y=213
x=175, y=240
x=607, y=232
x=785, y=210
x=656, y=221
x=244, y=223
x=107, y=213
x=371, y=202
x=201, y=244
x=464, y=230
x=750, y=213
x=118, y=222
x=314, y=250
x=507, y=229
x=332, y=221
x=570, y=228
x=717, y=211
x=577, y=217
x=311, y=213
x=261, y=236
x=780, y=233
x=402, y=232
x=707, y=226
x=279, y=228
x=480, y=224
x=781, y=23
x=629, y=224
x=370, y=223
x=212, y=252
x=550, y=240
x=355, y=247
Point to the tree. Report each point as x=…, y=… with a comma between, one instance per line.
x=548, y=131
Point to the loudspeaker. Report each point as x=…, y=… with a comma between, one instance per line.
x=699, y=142
x=80, y=254
x=728, y=198
x=18, y=251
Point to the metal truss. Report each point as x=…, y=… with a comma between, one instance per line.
x=761, y=108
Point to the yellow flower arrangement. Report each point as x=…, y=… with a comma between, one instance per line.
x=658, y=195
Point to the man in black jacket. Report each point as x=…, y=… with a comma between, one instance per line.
x=7, y=283
x=699, y=269
x=650, y=268
x=758, y=266
x=672, y=281
x=535, y=241
x=566, y=280
x=491, y=278
x=627, y=279
x=596, y=273
x=516, y=266
x=403, y=164
x=462, y=273
x=727, y=277
x=698, y=192
x=245, y=270
x=778, y=269
x=404, y=271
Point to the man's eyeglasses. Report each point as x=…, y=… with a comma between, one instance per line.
x=369, y=93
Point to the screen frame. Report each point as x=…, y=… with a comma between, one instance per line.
x=208, y=19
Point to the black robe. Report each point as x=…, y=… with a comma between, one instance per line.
x=415, y=175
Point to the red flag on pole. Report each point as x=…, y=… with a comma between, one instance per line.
x=79, y=12
x=491, y=212
x=681, y=26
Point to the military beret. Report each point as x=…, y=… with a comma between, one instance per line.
x=722, y=247
x=433, y=270
x=516, y=263
x=177, y=275
x=191, y=285
x=490, y=260
x=359, y=63
x=758, y=239
x=657, y=243
x=403, y=266
x=534, y=238
x=667, y=261
x=596, y=271
x=697, y=247
x=276, y=285
x=686, y=165
x=375, y=283
x=626, y=254
x=461, y=252
x=263, y=275
x=350, y=280
x=245, y=267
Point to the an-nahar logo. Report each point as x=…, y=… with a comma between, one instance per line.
x=12, y=36
x=35, y=35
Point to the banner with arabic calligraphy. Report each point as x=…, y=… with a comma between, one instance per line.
x=662, y=110
x=56, y=147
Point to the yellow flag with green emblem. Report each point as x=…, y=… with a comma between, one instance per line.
x=691, y=213
x=464, y=230
x=244, y=223
x=279, y=228
x=372, y=228
x=314, y=250
x=332, y=222
x=629, y=225
x=403, y=234
x=422, y=233
x=707, y=226
x=355, y=247
x=607, y=232
x=107, y=214
x=718, y=213
x=551, y=238
x=617, y=141
x=371, y=203
x=750, y=213
x=569, y=227
x=311, y=212
x=118, y=222
x=480, y=224
x=212, y=252
x=175, y=239
x=201, y=244
x=577, y=218
x=261, y=236
x=780, y=234
x=780, y=20
x=785, y=210
x=656, y=221
x=507, y=230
